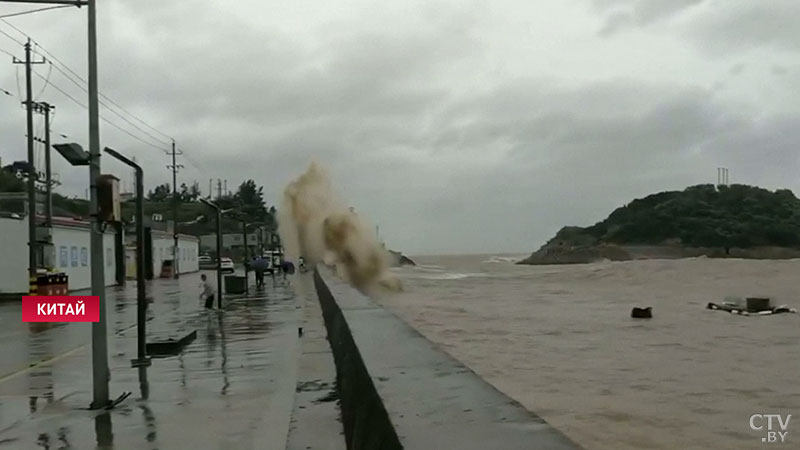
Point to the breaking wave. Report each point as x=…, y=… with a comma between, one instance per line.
x=501, y=260
x=315, y=223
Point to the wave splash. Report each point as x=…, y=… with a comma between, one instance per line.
x=314, y=223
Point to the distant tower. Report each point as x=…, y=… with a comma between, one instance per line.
x=722, y=177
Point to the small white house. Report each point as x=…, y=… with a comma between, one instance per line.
x=72, y=255
x=71, y=246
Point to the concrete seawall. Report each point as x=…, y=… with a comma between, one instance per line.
x=398, y=390
x=366, y=422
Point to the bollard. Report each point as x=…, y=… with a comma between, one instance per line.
x=33, y=286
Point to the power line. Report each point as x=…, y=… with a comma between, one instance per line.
x=34, y=11
x=46, y=82
x=82, y=87
x=7, y=53
x=71, y=75
x=11, y=37
x=64, y=93
x=55, y=86
x=19, y=89
x=191, y=161
x=83, y=80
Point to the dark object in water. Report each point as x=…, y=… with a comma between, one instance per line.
x=736, y=309
x=757, y=304
x=171, y=346
x=642, y=313
x=287, y=267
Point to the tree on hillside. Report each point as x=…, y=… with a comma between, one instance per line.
x=250, y=198
x=10, y=183
x=161, y=193
x=700, y=216
x=188, y=194
x=194, y=192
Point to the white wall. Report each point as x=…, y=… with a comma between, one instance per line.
x=187, y=253
x=13, y=256
x=72, y=255
x=232, y=239
x=74, y=258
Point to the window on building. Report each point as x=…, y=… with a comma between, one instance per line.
x=84, y=256
x=63, y=256
x=73, y=253
x=109, y=257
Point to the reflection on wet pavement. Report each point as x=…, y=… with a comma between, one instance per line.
x=232, y=388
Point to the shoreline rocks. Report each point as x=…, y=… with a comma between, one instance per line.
x=551, y=254
x=397, y=259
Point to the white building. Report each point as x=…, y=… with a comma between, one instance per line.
x=73, y=255
x=188, y=251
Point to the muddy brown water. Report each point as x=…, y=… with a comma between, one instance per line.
x=560, y=340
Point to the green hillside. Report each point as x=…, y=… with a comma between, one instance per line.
x=700, y=216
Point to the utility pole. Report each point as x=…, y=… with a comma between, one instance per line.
x=219, y=189
x=100, y=372
x=32, y=247
x=45, y=109
x=175, y=167
x=210, y=192
x=226, y=188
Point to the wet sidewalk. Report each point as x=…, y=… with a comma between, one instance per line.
x=232, y=388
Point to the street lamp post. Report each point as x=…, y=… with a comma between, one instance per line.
x=219, y=249
x=141, y=301
x=244, y=257
x=77, y=156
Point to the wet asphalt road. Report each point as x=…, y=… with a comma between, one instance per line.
x=232, y=388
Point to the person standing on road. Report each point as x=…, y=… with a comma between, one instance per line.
x=260, y=266
x=208, y=292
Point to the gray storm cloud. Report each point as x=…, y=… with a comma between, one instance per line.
x=462, y=127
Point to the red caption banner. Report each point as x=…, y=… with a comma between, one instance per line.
x=61, y=308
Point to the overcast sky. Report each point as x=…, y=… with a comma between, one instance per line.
x=458, y=126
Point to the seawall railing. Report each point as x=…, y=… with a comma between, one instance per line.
x=398, y=390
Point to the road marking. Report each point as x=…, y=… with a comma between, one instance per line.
x=44, y=362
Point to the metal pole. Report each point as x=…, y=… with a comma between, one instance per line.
x=48, y=205
x=77, y=3
x=100, y=372
x=260, y=241
x=141, y=299
x=219, y=258
x=244, y=237
x=219, y=249
x=175, y=257
x=31, y=168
